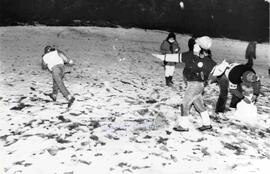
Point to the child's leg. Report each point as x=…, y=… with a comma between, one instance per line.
x=54, y=93
x=172, y=68
x=182, y=122
x=58, y=73
x=166, y=73
x=189, y=96
x=223, y=84
x=55, y=88
x=199, y=105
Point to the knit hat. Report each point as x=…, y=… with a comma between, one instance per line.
x=171, y=35
x=249, y=77
x=48, y=49
x=204, y=42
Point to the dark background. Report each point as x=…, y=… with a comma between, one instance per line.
x=237, y=19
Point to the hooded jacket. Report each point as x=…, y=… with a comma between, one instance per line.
x=196, y=68
x=169, y=48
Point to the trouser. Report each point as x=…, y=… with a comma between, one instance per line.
x=223, y=84
x=193, y=95
x=169, y=70
x=58, y=84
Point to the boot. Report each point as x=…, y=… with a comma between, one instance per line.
x=182, y=124
x=71, y=99
x=204, y=128
x=170, y=79
x=167, y=79
x=52, y=96
x=206, y=121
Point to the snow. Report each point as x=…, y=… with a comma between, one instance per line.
x=121, y=121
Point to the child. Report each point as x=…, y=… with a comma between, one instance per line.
x=199, y=64
x=169, y=46
x=54, y=60
x=237, y=76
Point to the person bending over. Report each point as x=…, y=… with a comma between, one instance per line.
x=54, y=60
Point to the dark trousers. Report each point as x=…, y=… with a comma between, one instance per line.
x=223, y=84
x=58, y=84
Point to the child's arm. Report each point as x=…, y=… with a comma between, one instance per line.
x=165, y=48
x=256, y=90
x=176, y=47
x=64, y=57
x=43, y=64
x=169, y=57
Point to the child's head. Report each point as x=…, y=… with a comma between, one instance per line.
x=249, y=77
x=48, y=49
x=171, y=37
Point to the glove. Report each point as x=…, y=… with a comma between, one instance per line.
x=254, y=98
x=71, y=62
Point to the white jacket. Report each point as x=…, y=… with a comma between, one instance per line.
x=51, y=59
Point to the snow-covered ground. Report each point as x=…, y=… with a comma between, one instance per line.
x=121, y=121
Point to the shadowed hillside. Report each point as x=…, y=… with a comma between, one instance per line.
x=241, y=19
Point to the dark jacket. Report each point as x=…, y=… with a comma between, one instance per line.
x=169, y=48
x=235, y=77
x=196, y=68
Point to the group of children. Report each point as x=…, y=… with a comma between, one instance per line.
x=199, y=68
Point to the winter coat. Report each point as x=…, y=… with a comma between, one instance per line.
x=169, y=48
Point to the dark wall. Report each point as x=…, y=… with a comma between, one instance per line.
x=238, y=19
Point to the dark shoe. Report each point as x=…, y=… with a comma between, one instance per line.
x=71, y=101
x=170, y=79
x=52, y=96
x=167, y=81
x=180, y=129
x=170, y=84
x=204, y=127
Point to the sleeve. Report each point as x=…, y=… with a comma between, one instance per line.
x=63, y=56
x=184, y=57
x=235, y=91
x=256, y=87
x=176, y=48
x=43, y=64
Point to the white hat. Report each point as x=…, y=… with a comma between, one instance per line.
x=220, y=68
x=204, y=42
